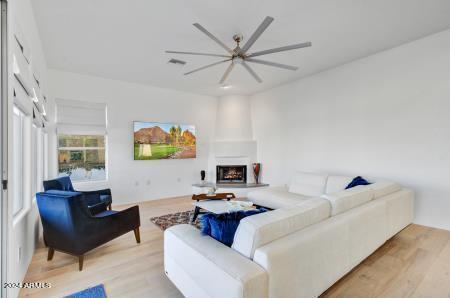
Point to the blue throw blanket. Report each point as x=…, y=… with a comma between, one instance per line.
x=222, y=227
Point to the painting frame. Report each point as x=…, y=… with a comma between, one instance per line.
x=164, y=140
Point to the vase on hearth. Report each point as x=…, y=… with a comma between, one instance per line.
x=256, y=171
x=202, y=175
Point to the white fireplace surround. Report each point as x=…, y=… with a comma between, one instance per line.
x=233, y=141
x=232, y=153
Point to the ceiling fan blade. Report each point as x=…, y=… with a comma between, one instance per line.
x=258, y=79
x=269, y=63
x=281, y=49
x=198, y=54
x=207, y=66
x=200, y=27
x=227, y=73
x=267, y=21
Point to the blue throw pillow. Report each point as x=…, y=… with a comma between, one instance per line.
x=222, y=227
x=357, y=181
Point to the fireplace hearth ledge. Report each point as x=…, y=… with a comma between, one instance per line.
x=230, y=185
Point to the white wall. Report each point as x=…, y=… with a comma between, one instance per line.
x=383, y=116
x=233, y=118
x=23, y=229
x=130, y=180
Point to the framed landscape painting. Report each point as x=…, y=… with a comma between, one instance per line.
x=153, y=140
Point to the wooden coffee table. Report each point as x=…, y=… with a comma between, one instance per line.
x=216, y=202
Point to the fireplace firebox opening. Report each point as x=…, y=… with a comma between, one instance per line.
x=231, y=174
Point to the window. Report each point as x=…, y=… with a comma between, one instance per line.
x=82, y=157
x=18, y=128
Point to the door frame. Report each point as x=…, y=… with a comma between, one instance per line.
x=4, y=144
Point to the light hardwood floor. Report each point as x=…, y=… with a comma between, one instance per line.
x=414, y=263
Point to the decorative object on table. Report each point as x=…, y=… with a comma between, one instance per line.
x=256, y=171
x=154, y=140
x=72, y=227
x=166, y=221
x=202, y=175
x=94, y=292
x=222, y=227
x=94, y=198
x=240, y=205
x=211, y=191
x=217, y=196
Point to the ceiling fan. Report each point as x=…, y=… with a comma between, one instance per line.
x=240, y=55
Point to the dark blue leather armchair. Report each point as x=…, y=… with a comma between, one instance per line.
x=64, y=183
x=71, y=227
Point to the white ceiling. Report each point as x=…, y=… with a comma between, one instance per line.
x=126, y=40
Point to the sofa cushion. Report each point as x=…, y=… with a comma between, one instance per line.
x=258, y=230
x=337, y=183
x=275, y=197
x=223, y=226
x=383, y=188
x=350, y=198
x=308, y=184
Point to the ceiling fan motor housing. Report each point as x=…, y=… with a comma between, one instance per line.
x=238, y=38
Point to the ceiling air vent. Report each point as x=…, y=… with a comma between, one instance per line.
x=177, y=62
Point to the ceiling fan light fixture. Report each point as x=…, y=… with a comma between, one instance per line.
x=237, y=60
x=225, y=87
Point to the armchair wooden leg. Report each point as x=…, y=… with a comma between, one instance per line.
x=110, y=206
x=137, y=235
x=80, y=262
x=51, y=252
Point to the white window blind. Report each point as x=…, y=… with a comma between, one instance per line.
x=80, y=118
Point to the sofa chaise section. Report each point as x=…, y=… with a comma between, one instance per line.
x=203, y=267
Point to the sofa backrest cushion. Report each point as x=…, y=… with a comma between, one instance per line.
x=383, y=188
x=61, y=183
x=337, y=183
x=349, y=198
x=258, y=230
x=308, y=184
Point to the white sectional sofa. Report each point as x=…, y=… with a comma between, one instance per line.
x=316, y=234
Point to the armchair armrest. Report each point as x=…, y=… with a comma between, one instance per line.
x=105, y=226
x=97, y=208
x=105, y=191
x=200, y=266
x=129, y=216
x=104, y=195
x=91, y=198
